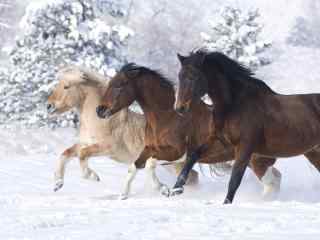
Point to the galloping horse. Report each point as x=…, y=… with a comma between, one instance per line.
x=249, y=114
x=120, y=138
x=168, y=135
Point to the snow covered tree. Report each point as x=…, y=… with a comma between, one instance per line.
x=236, y=34
x=305, y=31
x=58, y=33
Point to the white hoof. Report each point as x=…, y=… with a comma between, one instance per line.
x=90, y=175
x=95, y=177
x=270, y=193
x=123, y=196
x=271, y=184
x=176, y=191
x=171, y=192
x=165, y=190
x=58, y=184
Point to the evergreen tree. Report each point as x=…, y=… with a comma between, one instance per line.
x=58, y=33
x=236, y=34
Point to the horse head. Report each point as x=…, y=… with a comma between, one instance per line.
x=120, y=92
x=192, y=82
x=67, y=93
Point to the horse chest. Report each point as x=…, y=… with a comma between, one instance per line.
x=161, y=148
x=231, y=130
x=155, y=136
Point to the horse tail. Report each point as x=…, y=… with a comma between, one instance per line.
x=218, y=170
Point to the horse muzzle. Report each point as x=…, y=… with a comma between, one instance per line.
x=103, y=112
x=182, y=109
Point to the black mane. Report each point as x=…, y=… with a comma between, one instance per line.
x=144, y=70
x=239, y=76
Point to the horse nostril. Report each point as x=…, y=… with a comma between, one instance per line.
x=182, y=110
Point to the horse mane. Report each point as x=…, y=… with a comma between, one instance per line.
x=239, y=76
x=94, y=75
x=164, y=81
x=77, y=71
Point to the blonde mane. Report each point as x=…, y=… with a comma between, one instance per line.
x=79, y=74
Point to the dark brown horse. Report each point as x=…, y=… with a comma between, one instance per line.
x=168, y=135
x=249, y=115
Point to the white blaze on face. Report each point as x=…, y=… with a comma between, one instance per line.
x=176, y=98
x=206, y=99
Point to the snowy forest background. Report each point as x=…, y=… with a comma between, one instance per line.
x=37, y=38
x=279, y=40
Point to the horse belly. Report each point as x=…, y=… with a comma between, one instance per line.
x=289, y=142
x=167, y=154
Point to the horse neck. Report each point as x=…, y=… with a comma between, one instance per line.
x=201, y=117
x=217, y=85
x=155, y=100
x=199, y=108
x=90, y=124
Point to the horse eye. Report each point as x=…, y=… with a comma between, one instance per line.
x=66, y=87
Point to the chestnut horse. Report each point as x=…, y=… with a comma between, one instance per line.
x=248, y=113
x=120, y=138
x=168, y=135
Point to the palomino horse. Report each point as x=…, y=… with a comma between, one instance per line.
x=121, y=137
x=168, y=135
x=250, y=116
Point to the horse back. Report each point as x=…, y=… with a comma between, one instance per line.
x=290, y=123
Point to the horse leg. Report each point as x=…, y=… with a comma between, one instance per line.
x=314, y=157
x=183, y=176
x=269, y=176
x=61, y=166
x=243, y=154
x=193, y=177
x=84, y=155
x=151, y=172
x=132, y=172
x=176, y=169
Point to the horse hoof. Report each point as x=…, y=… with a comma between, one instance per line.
x=270, y=194
x=176, y=191
x=92, y=176
x=96, y=178
x=123, y=196
x=58, y=185
x=165, y=191
x=227, y=201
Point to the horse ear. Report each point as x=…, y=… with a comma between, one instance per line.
x=133, y=73
x=181, y=58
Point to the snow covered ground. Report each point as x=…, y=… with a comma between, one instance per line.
x=83, y=209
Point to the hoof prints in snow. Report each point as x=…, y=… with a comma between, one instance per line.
x=83, y=210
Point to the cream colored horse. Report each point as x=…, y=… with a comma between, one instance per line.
x=120, y=138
